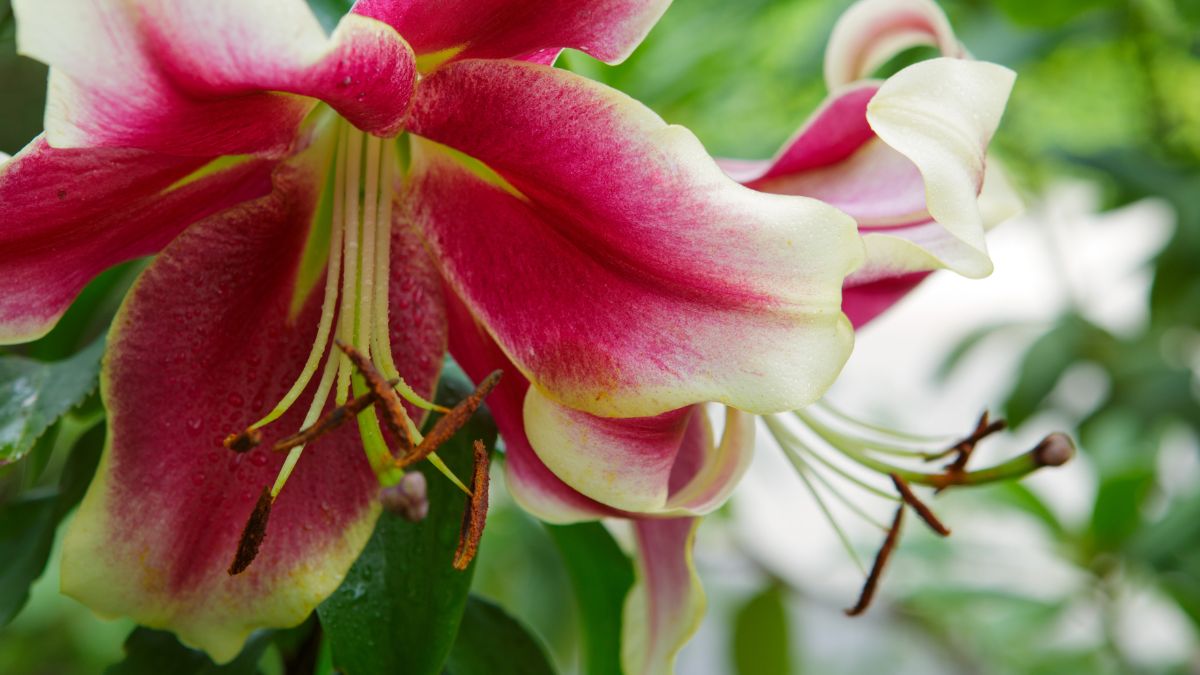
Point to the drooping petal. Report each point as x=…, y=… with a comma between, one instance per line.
x=205, y=344
x=199, y=77
x=537, y=489
x=70, y=214
x=667, y=602
x=905, y=158
x=941, y=115
x=873, y=31
x=606, y=29
x=617, y=267
x=668, y=463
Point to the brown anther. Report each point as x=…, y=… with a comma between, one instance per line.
x=1054, y=450
x=244, y=441
x=881, y=559
x=962, y=450
x=919, y=506
x=476, y=513
x=394, y=415
x=449, y=424
x=327, y=422
x=252, y=534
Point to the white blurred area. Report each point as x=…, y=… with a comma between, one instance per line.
x=1062, y=253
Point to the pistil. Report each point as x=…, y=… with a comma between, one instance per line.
x=864, y=447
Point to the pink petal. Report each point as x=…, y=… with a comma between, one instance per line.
x=647, y=465
x=617, y=267
x=667, y=602
x=873, y=31
x=70, y=214
x=188, y=77
x=203, y=346
x=531, y=483
x=606, y=29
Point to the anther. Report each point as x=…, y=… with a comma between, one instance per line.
x=253, y=534
x=476, y=513
x=449, y=424
x=919, y=506
x=394, y=414
x=244, y=441
x=881, y=559
x=327, y=422
x=409, y=498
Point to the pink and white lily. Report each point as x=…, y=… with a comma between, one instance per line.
x=421, y=177
x=906, y=158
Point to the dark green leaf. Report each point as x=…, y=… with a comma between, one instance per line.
x=26, y=535
x=761, y=640
x=329, y=12
x=399, y=607
x=23, y=82
x=490, y=642
x=28, y=524
x=153, y=652
x=33, y=395
x=1118, y=510
x=601, y=575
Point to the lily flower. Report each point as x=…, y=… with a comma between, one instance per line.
x=419, y=177
x=906, y=157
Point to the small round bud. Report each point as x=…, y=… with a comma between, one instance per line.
x=1054, y=450
x=408, y=498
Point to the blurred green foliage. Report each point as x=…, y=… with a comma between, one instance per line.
x=1108, y=91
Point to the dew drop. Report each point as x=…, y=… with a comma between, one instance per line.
x=198, y=478
x=236, y=400
x=214, y=457
x=195, y=426
x=259, y=458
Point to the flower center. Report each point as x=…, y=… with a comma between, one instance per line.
x=353, y=342
x=829, y=449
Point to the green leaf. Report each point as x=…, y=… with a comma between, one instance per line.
x=761, y=644
x=23, y=82
x=33, y=395
x=398, y=609
x=329, y=12
x=153, y=652
x=601, y=575
x=26, y=535
x=1048, y=13
x=490, y=642
x=28, y=524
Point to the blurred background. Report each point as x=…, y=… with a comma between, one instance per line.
x=1091, y=324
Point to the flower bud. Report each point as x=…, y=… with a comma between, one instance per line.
x=408, y=498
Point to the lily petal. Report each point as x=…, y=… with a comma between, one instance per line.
x=649, y=280
x=70, y=214
x=197, y=78
x=667, y=602
x=205, y=343
x=647, y=465
x=607, y=29
x=941, y=115
x=537, y=489
x=873, y=31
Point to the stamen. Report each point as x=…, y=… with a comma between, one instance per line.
x=328, y=308
x=253, y=534
x=347, y=316
x=476, y=513
x=313, y=414
x=919, y=506
x=881, y=560
x=445, y=428
x=394, y=416
x=366, y=288
x=802, y=469
x=380, y=338
x=244, y=441
x=328, y=422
